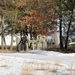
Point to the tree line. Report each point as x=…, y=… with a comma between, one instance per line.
x=40, y=15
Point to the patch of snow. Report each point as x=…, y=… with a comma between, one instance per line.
x=44, y=52
x=37, y=62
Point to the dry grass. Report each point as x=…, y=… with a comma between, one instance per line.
x=4, y=66
x=58, y=64
x=26, y=74
x=28, y=69
x=71, y=69
x=52, y=70
x=6, y=51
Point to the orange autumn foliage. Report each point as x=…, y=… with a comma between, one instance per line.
x=36, y=16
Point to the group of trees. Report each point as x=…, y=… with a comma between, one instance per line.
x=39, y=16
x=8, y=23
x=66, y=15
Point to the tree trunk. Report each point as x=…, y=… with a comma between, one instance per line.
x=66, y=41
x=60, y=27
x=3, y=42
x=2, y=46
x=55, y=37
x=12, y=34
x=61, y=41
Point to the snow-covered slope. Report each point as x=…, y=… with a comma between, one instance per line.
x=37, y=62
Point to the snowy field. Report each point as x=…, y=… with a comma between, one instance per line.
x=37, y=62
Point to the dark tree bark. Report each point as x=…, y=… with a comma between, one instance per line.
x=61, y=41
x=69, y=25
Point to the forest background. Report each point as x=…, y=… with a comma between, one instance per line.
x=42, y=15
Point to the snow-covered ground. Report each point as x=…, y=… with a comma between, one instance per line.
x=37, y=62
